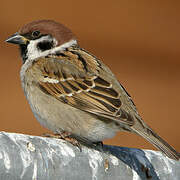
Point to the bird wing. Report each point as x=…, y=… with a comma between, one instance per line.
x=84, y=89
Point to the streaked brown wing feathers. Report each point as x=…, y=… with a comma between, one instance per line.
x=87, y=99
x=90, y=93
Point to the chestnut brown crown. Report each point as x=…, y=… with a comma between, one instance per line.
x=49, y=27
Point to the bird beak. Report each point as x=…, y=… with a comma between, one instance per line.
x=17, y=39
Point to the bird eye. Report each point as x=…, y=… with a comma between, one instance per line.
x=35, y=34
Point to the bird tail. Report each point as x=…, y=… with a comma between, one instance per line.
x=147, y=133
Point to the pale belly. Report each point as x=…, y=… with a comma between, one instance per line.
x=57, y=116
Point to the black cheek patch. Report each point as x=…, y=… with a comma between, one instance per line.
x=45, y=45
x=23, y=51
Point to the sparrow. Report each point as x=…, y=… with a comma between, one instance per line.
x=73, y=93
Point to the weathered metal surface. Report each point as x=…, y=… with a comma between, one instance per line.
x=38, y=158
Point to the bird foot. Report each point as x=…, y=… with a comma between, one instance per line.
x=65, y=136
x=98, y=145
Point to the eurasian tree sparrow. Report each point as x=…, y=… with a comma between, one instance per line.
x=71, y=91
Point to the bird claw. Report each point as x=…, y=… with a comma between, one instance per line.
x=65, y=136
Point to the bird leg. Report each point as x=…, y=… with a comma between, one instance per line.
x=98, y=144
x=65, y=136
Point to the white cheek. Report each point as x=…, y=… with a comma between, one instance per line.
x=32, y=50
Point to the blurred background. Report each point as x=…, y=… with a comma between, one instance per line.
x=138, y=40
